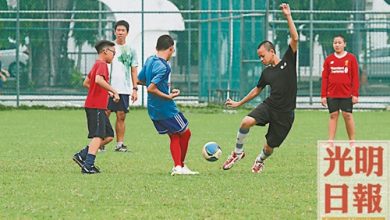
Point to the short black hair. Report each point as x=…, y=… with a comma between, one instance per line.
x=101, y=45
x=339, y=35
x=122, y=23
x=164, y=42
x=268, y=45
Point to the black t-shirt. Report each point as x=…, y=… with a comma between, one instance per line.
x=282, y=79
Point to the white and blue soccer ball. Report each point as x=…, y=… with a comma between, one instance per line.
x=211, y=151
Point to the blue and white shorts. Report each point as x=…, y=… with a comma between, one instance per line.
x=176, y=124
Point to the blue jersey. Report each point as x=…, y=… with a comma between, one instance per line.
x=156, y=70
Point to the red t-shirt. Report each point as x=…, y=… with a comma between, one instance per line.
x=97, y=96
x=340, y=77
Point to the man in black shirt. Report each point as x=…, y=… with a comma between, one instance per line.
x=278, y=109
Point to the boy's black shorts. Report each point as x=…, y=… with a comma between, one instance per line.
x=335, y=104
x=98, y=123
x=280, y=123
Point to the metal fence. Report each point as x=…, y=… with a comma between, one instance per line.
x=215, y=50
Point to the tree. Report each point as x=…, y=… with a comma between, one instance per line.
x=58, y=32
x=8, y=33
x=43, y=38
x=48, y=40
x=4, y=33
x=86, y=32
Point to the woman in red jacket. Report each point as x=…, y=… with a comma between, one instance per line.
x=340, y=86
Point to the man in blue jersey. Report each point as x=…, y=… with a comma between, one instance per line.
x=163, y=111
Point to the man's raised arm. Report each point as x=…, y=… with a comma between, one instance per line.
x=293, y=30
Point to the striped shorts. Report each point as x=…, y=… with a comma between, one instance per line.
x=176, y=124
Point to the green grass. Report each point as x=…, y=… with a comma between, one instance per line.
x=38, y=179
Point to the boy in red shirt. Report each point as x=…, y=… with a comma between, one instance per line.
x=99, y=127
x=340, y=87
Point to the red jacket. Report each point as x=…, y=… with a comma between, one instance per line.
x=340, y=77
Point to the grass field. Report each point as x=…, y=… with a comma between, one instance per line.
x=39, y=180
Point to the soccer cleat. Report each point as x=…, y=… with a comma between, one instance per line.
x=186, y=171
x=78, y=159
x=178, y=170
x=232, y=159
x=90, y=170
x=257, y=167
x=102, y=148
x=121, y=148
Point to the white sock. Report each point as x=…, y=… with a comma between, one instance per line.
x=119, y=144
x=262, y=156
x=241, y=134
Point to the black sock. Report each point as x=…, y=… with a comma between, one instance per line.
x=90, y=160
x=83, y=153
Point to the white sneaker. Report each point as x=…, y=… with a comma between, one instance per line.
x=177, y=170
x=186, y=171
x=232, y=159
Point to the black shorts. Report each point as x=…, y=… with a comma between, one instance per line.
x=98, y=123
x=280, y=123
x=335, y=104
x=121, y=106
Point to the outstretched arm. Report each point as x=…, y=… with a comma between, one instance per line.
x=252, y=94
x=293, y=30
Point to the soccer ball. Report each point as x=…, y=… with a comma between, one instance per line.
x=211, y=151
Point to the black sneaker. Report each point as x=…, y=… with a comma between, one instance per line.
x=91, y=170
x=122, y=148
x=78, y=159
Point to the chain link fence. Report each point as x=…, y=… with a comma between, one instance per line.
x=47, y=48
